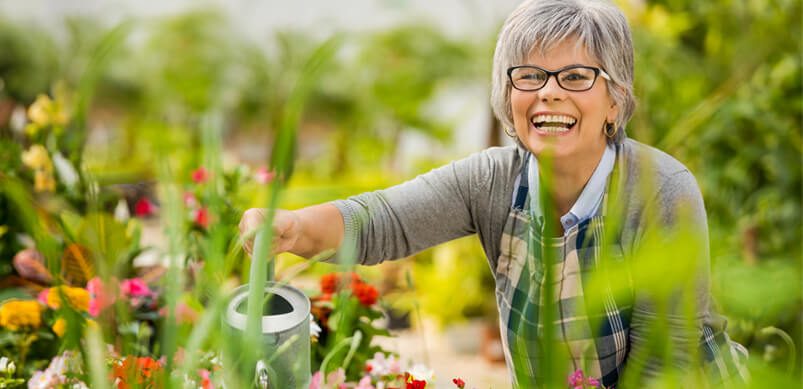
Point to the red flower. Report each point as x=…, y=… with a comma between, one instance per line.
x=201, y=217
x=200, y=175
x=143, y=207
x=367, y=294
x=329, y=283
x=460, y=383
x=416, y=384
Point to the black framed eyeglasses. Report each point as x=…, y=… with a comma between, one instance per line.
x=575, y=78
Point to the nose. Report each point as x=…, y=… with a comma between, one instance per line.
x=551, y=90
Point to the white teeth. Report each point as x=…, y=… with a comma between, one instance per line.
x=553, y=130
x=553, y=119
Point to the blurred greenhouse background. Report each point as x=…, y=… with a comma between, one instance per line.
x=389, y=90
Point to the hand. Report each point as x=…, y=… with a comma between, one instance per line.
x=286, y=229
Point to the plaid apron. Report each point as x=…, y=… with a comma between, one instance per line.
x=520, y=287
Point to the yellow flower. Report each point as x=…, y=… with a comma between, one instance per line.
x=17, y=314
x=44, y=112
x=37, y=158
x=60, y=327
x=39, y=111
x=43, y=181
x=79, y=297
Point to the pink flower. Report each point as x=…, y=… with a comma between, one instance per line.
x=99, y=296
x=264, y=176
x=189, y=200
x=201, y=217
x=365, y=383
x=144, y=207
x=200, y=175
x=206, y=382
x=42, y=296
x=577, y=380
x=317, y=380
x=135, y=287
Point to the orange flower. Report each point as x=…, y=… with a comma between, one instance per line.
x=367, y=294
x=329, y=283
x=78, y=297
x=18, y=314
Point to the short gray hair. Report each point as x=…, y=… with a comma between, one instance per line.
x=598, y=25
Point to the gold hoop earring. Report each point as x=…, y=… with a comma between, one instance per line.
x=508, y=133
x=607, y=130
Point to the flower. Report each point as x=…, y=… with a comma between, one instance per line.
x=189, y=199
x=99, y=298
x=42, y=296
x=138, y=372
x=577, y=380
x=60, y=327
x=43, y=181
x=365, y=383
x=382, y=366
x=413, y=383
x=367, y=294
x=59, y=373
x=78, y=297
x=329, y=283
x=37, y=158
x=263, y=176
x=44, y=112
x=135, y=287
x=200, y=175
x=201, y=217
x=143, y=207
x=18, y=314
x=421, y=373
x=206, y=382
x=185, y=313
x=460, y=383
x=314, y=328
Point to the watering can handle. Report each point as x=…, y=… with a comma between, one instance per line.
x=262, y=250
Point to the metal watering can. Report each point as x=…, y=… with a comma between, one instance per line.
x=283, y=354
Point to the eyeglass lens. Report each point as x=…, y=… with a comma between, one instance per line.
x=574, y=79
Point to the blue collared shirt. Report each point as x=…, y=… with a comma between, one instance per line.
x=590, y=199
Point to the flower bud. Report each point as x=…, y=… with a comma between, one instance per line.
x=11, y=368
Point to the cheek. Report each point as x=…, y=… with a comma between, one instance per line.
x=519, y=104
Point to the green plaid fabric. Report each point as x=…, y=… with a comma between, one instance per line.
x=590, y=332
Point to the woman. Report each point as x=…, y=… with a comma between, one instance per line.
x=563, y=87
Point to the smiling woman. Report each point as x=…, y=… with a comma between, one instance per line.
x=576, y=220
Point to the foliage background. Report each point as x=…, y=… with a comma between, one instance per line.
x=719, y=87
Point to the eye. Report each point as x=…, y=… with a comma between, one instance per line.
x=532, y=76
x=574, y=76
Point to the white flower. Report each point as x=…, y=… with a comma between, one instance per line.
x=3, y=364
x=314, y=328
x=421, y=372
x=381, y=366
x=11, y=368
x=121, y=213
x=65, y=170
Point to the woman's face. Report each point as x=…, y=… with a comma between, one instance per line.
x=587, y=110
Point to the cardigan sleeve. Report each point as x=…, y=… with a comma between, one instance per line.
x=672, y=279
x=461, y=198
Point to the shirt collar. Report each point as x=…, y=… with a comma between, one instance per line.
x=590, y=198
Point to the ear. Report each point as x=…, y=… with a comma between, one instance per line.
x=613, y=109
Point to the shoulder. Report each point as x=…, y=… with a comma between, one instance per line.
x=649, y=165
x=655, y=178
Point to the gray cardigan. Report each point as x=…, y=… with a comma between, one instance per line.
x=474, y=196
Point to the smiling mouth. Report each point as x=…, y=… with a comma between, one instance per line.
x=553, y=124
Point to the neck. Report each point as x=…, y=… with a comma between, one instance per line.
x=569, y=176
